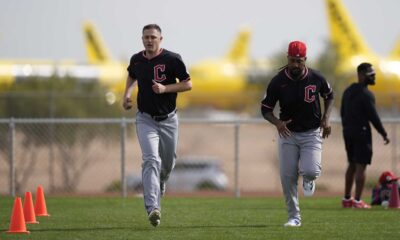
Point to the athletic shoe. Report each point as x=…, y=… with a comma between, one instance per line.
x=347, y=203
x=360, y=204
x=308, y=188
x=162, y=188
x=155, y=217
x=293, y=223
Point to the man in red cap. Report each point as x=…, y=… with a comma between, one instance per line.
x=297, y=49
x=298, y=90
x=381, y=192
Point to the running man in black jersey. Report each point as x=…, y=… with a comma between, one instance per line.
x=357, y=110
x=156, y=70
x=298, y=89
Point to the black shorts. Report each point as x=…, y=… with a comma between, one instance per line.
x=358, y=147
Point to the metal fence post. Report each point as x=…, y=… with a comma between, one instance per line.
x=12, y=156
x=237, y=186
x=51, y=156
x=123, y=139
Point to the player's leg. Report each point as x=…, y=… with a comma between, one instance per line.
x=167, y=148
x=347, y=201
x=363, y=155
x=349, y=179
x=310, y=159
x=147, y=132
x=310, y=154
x=351, y=169
x=359, y=179
x=288, y=159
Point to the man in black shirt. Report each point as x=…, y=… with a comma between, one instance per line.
x=156, y=70
x=357, y=110
x=298, y=89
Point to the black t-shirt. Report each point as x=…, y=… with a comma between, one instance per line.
x=165, y=68
x=358, y=109
x=298, y=99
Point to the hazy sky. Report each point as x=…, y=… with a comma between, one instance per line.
x=51, y=29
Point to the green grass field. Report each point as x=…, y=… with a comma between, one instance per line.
x=203, y=218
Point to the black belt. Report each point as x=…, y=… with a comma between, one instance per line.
x=160, y=118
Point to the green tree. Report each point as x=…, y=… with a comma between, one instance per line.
x=57, y=97
x=327, y=63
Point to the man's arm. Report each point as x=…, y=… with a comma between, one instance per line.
x=176, y=87
x=374, y=118
x=267, y=107
x=325, y=121
x=280, y=125
x=129, y=86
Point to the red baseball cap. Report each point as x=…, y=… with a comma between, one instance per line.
x=297, y=49
x=387, y=176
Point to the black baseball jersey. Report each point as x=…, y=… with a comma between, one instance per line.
x=165, y=68
x=357, y=109
x=298, y=99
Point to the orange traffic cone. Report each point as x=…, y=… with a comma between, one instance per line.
x=40, y=203
x=29, y=212
x=17, y=222
x=394, y=201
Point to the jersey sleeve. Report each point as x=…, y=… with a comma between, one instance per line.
x=343, y=109
x=131, y=69
x=270, y=99
x=326, y=89
x=372, y=114
x=180, y=69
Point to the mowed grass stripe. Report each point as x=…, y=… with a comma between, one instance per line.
x=204, y=218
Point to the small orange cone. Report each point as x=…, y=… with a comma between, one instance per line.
x=394, y=200
x=17, y=222
x=29, y=212
x=40, y=203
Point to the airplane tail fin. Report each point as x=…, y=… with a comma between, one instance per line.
x=239, y=52
x=95, y=47
x=395, y=54
x=344, y=35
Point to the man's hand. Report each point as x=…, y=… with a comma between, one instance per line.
x=282, y=129
x=127, y=104
x=325, y=127
x=158, y=88
x=386, y=140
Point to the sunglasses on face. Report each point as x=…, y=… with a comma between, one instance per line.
x=370, y=74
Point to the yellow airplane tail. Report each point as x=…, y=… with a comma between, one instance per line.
x=239, y=52
x=344, y=34
x=395, y=54
x=95, y=47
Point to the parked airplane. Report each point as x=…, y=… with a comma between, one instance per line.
x=223, y=83
x=352, y=50
x=99, y=67
x=230, y=82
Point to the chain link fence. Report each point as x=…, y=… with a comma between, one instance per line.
x=97, y=156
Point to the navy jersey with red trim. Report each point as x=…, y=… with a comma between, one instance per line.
x=298, y=99
x=164, y=68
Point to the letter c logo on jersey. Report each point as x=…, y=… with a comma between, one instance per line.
x=309, y=94
x=159, y=75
